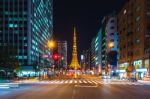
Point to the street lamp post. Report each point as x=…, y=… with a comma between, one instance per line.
x=51, y=45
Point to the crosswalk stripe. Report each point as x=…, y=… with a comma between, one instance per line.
x=66, y=81
x=75, y=81
x=61, y=81
x=84, y=81
x=89, y=81
x=80, y=81
x=94, y=82
x=70, y=81
x=57, y=82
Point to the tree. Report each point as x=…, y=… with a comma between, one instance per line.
x=8, y=59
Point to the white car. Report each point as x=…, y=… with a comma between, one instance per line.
x=106, y=77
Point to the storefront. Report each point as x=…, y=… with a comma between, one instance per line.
x=140, y=73
x=140, y=70
x=122, y=74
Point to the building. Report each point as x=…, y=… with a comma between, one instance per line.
x=62, y=51
x=93, y=63
x=104, y=58
x=27, y=25
x=86, y=60
x=112, y=43
x=103, y=45
x=134, y=37
x=98, y=52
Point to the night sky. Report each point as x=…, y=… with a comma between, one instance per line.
x=85, y=15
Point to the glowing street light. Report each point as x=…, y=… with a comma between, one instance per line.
x=111, y=45
x=51, y=44
x=62, y=58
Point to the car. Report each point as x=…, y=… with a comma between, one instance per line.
x=132, y=79
x=106, y=77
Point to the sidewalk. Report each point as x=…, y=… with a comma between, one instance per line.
x=144, y=82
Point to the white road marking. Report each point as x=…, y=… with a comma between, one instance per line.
x=85, y=82
x=80, y=81
x=70, y=81
x=85, y=86
x=75, y=81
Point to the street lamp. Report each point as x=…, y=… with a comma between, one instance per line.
x=111, y=45
x=51, y=44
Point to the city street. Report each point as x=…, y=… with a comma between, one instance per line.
x=78, y=89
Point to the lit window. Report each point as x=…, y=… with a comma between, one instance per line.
x=125, y=11
x=138, y=18
x=137, y=41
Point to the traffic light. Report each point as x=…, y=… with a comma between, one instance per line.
x=55, y=56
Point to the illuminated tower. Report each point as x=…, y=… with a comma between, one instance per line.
x=74, y=62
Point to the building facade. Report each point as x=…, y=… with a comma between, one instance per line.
x=112, y=43
x=86, y=60
x=62, y=51
x=134, y=37
x=93, y=63
x=105, y=58
x=26, y=25
x=98, y=52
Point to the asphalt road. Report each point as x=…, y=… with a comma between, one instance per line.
x=80, y=89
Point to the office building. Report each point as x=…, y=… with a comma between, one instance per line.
x=112, y=43
x=62, y=51
x=27, y=25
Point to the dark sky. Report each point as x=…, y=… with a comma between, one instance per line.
x=85, y=15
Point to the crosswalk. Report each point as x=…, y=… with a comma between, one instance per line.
x=84, y=81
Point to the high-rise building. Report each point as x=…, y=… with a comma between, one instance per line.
x=26, y=25
x=86, y=59
x=103, y=43
x=134, y=37
x=98, y=52
x=93, y=53
x=62, y=51
x=111, y=43
x=104, y=57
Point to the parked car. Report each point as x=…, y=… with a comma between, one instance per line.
x=106, y=77
x=132, y=79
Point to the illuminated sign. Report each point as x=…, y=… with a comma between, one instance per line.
x=82, y=57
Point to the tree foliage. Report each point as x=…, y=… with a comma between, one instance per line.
x=8, y=59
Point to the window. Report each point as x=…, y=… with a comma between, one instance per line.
x=112, y=21
x=137, y=41
x=138, y=18
x=112, y=27
x=112, y=34
x=125, y=11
